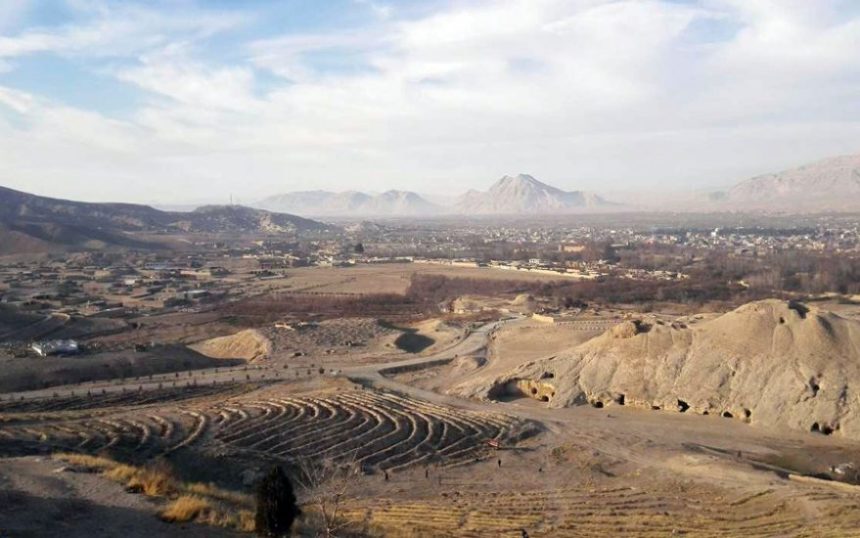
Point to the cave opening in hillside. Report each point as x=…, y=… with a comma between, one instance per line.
x=598, y=404
x=823, y=429
x=727, y=414
x=799, y=307
x=620, y=399
x=683, y=406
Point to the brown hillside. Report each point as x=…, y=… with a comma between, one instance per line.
x=770, y=363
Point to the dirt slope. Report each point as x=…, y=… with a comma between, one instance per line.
x=249, y=344
x=769, y=362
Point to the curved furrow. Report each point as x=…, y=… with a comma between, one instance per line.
x=237, y=423
x=201, y=422
x=114, y=432
x=419, y=430
x=379, y=450
x=309, y=442
x=338, y=415
x=234, y=418
x=273, y=430
x=145, y=434
x=103, y=437
x=372, y=425
x=325, y=413
x=343, y=443
x=248, y=421
x=168, y=429
x=381, y=425
x=424, y=448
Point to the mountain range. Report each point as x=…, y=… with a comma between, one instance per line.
x=350, y=203
x=31, y=223
x=827, y=185
x=510, y=195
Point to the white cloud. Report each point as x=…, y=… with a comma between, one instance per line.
x=172, y=74
x=117, y=31
x=588, y=94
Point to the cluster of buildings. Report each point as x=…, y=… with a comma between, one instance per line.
x=134, y=285
x=757, y=242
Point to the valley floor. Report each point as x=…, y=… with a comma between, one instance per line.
x=428, y=469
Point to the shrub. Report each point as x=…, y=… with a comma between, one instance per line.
x=93, y=463
x=276, y=504
x=185, y=508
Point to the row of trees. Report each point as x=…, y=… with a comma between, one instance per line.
x=272, y=307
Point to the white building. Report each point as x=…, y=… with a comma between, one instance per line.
x=56, y=347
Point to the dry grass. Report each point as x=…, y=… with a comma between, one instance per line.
x=243, y=520
x=87, y=461
x=194, y=501
x=121, y=473
x=155, y=481
x=191, y=507
x=214, y=492
x=185, y=508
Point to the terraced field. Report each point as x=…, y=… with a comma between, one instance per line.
x=378, y=431
x=690, y=510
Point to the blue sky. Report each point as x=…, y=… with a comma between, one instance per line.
x=176, y=101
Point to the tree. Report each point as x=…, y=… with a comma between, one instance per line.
x=276, y=505
x=326, y=486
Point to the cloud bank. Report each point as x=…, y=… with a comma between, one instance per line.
x=180, y=101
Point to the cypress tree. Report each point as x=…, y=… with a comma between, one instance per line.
x=276, y=505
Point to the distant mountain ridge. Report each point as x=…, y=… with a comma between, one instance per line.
x=831, y=184
x=521, y=194
x=350, y=203
x=37, y=223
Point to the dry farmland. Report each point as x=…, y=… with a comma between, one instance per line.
x=391, y=277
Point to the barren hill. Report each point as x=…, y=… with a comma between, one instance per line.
x=523, y=194
x=31, y=223
x=828, y=185
x=770, y=362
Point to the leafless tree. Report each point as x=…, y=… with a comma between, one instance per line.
x=324, y=487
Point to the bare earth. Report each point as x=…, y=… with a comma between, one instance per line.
x=571, y=471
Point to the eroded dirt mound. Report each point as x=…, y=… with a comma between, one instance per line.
x=429, y=336
x=773, y=363
x=524, y=303
x=249, y=344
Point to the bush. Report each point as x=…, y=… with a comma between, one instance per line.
x=185, y=508
x=276, y=504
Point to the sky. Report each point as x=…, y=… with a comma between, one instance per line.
x=182, y=101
